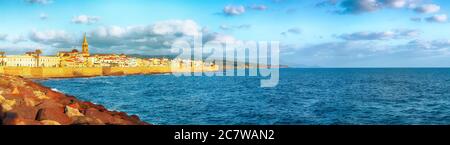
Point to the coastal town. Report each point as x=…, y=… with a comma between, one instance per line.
x=33, y=64
x=24, y=102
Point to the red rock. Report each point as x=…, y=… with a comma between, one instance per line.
x=15, y=91
x=24, y=112
x=25, y=101
x=49, y=122
x=135, y=117
x=120, y=113
x=29, y=110
x=49, y=104
x=119, y=121
x=104, y=117
x=56, y=114
x=83, y=120
x=11, y=96
x=88, y=105
x=53, y=94
x=74, y=105
x=25, y=92
x=67, y=100
x=5, y=83
x=13, y=119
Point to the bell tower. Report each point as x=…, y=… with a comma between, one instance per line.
x=85, y=47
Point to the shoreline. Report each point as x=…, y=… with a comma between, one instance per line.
x=67, y=72
x=25, y=102
x=56, y=78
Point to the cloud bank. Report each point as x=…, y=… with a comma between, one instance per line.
x=385, y=35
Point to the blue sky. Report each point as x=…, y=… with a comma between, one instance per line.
x=327, y=33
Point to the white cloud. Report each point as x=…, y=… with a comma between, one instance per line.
x=427, y=8
x=365, y=6
x=155, y=36
x=84, y=19
x=141, y=39
x=440, y=18
x=231, y=10
x=159, y=35
x=3, y=37
x=221, y=38
x=42, y=2
x=12, y=38
x=371, y=53
x=185, y=27
x=16, y=38
x=22, y=48
x=385, y=35
x=429, y=44
x=395, y=3
x=53, y=38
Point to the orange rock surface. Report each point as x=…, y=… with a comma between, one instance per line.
x=24, y=102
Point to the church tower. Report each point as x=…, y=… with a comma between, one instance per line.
x=85, y=50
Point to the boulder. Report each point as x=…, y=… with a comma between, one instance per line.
x=49, y=122
x=118, y=120
x=15, y=91
x=67, y=100
x=104, y=117
x=4, y=83
x=7, y=104
x=25, y=112
x=26, y=92
x=13, y=119
x=83, y=120
x=23, y=102
x=72, y=112
x=49, y=104
x=55, y=114
x=135, y=117
x=29, y=102
x=53, y=94
x=41, y=95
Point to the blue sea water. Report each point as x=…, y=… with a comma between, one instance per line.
x=303, y=96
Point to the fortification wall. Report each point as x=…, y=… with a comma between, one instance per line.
x=58, y=72
x=22, y=71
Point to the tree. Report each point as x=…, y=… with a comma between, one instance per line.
x=2, y=55
x=38, y=54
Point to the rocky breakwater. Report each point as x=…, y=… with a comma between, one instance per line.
x=23, y=102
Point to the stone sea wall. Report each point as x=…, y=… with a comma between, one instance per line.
x=23, y=102
x=60, y=72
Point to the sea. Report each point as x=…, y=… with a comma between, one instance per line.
x=304, y=96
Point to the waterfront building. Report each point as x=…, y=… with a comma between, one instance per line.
x=29, y=59
x=72, y=59
x=76, y=59
x=79, y=59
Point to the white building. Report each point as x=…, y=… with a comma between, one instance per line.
x=29, y=61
